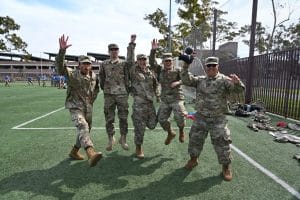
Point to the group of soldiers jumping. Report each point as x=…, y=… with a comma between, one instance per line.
x=120, y=78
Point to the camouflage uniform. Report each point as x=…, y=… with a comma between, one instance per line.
x=172, y=99
x=114, y=81
x=143, y=89
x=82, y=91
x=211, y=106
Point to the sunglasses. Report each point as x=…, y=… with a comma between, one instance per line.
x=168, y=61
x=114, y=49
x=211, y=65
x=142, y=59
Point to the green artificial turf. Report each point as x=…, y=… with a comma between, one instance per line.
x=35, y=164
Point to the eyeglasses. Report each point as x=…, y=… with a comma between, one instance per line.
x=211, y=65
x=168, y=61
x=114, y=49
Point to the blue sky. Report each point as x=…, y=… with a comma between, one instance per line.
x=93, y=24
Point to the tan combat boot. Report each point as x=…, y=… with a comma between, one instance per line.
x=227, y=173
x=193, y=162
x=93, y=156
x=181, y=135
x=123, y=143
x=139, y=152
x=170, y=137
x=75, y=154
x=111, y=142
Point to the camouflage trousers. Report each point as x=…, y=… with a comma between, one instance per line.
x=82, y=119
x=143, y=115
x=165, y=110
x=219, y=134
x=111, y=103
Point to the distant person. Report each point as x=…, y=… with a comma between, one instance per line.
x=83, y=88
x=172, y=98
x=144, y=87
x=29, y=80
x=44, y=79
x=7, y=80
x=212, y=91
x=114, y=81
x=61, y=82
x=38, y=78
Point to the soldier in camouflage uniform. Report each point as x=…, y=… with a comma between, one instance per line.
x=114, y=81
x=172, y=98
x=82, y=91
x=144, y=87
x=212, y=92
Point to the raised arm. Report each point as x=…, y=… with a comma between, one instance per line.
x=130, y=50
x=234, y=84
x=60, y=58
x=187, y=78
x=152, y=59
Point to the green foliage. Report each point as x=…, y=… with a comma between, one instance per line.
x=261, y=37
x=284, y=38
x=226, y=31
x=158, y=19
x=195, y=26
x=8, y=39
x=287, y=37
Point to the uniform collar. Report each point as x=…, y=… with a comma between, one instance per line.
x=114, y=61
x=214, y=77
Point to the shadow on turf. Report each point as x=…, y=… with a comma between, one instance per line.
x=171, y=187
x=63, y=180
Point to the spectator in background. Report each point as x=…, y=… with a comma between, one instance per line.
x=83, y=88
x=7, y=80
x=29, y=80
x=44, y=79
x=38, y=78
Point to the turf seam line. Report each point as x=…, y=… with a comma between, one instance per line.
x=267, y=172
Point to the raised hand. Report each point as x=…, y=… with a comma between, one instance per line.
x=133, y=38
x=234, y=78
x=63, y=42
x=154, y=44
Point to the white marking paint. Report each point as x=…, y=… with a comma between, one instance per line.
x=28, y=122
x=268, y=173
x=242, y=154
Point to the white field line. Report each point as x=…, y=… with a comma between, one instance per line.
x=242, y=154
x=268, y=173
x=28, y=122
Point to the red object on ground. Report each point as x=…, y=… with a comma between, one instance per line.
x=282, y=124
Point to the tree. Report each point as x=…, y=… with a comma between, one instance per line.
x=226, y=30
x=9, y=40
x=286, y=38
x=195, y=26
x=261, y=37
x=279, y=37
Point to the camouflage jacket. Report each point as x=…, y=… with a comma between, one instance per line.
x=211, y=93
x=165, y=78
x=143, y=83
x=82, y=90
x=114, y=76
